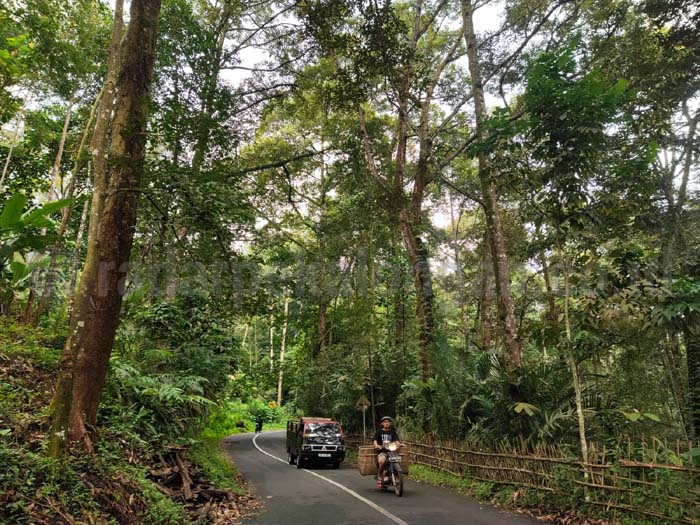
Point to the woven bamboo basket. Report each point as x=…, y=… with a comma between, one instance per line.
x=405, y=458
x=367, y=460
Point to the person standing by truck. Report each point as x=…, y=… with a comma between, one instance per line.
x=382, y=437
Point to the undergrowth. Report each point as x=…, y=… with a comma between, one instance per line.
x=111, y=486
x=566, y=505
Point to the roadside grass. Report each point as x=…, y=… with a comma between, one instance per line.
x=504, y=496
x=444, y=479
x=350, y=456
x=277, y=425
x=216, y=466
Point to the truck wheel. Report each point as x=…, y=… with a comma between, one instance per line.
x=336, y=464
x=291, y=458
x=300, y=462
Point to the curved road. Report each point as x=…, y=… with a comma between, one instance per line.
x=323, y=496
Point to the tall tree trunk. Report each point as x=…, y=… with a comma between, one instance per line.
x=674, y=374
x=418, y=256
x=409, y=219
x=283, y=348
x=76, y=256
x=321, y=328
x=553, y=322
x=691, y=332
x=486, y=297
x=490, y=199
x=272, y=343
x=692, y=349
x=409, y=207
x=245, y=348
x=255, y=340
x=690, y=155
x=549, y=289
x=411, y=214
x=99, y=140
x=675, y=258
x=400, y=311
x=459, y=272
x=56, y=169
x=98, y=300
x=570, y=357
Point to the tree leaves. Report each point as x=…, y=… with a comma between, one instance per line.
x=528, y=408
x=12, y=211
x=18, y=235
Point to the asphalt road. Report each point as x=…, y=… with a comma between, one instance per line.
x=323, y=496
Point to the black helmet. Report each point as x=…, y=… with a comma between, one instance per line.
x=386, y=418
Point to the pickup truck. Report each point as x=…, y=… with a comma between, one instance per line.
x=315, y=439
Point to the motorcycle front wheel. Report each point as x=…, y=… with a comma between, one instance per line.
x=397, y=479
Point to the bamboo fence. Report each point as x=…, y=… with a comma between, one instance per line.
x=648, y=480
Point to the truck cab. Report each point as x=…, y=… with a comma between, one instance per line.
x=315, y=440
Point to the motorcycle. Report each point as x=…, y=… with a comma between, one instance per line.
x=392, y=475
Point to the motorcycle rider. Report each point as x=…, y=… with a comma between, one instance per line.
x=384, y=435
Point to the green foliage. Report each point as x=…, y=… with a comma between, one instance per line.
x=69, y=40
x=233, y=417
x=682, y=302
x=186, y=335
x=172, y=405
x=569, y=113
x=19, y=234
x=33, y=486
x=483, y=490
x=14, y=53
x=20, y=340
x=504, y=495
x=483, y=407
x=18, y=228
x=226, y=419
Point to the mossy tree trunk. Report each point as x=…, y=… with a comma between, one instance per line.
x=494, y=223
x=99, y=296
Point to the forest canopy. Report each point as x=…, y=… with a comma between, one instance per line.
x=482, y=216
